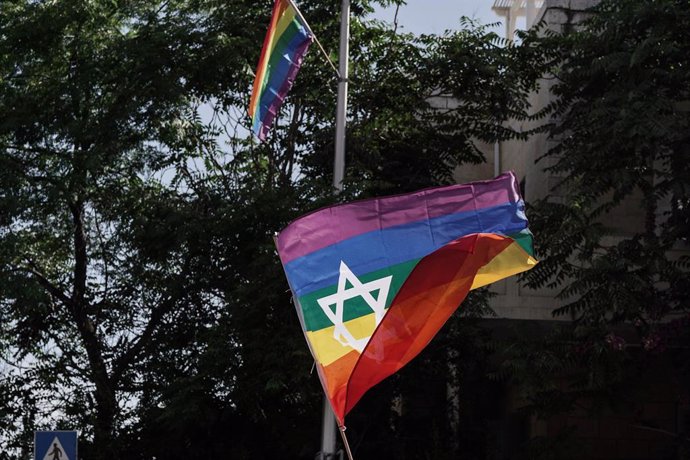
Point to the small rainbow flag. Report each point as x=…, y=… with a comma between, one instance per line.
x=375, y=280
x=286, y=42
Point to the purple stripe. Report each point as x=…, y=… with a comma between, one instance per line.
x=297, y=57
x=332, y=224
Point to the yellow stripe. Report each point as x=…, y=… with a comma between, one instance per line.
x=327, y=349
x=510, y=261
x=283, y=24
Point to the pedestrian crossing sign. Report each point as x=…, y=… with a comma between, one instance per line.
x=55, y=445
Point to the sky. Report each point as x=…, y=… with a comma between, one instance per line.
x=436, y=16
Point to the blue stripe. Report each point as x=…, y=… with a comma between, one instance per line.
x=378, y=249
x=277, y=74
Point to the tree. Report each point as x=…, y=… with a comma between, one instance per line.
x=621, y=123
x=99, y=255
x=142, y=298
x=260, y=188
x=393, y=145
x=615, y=242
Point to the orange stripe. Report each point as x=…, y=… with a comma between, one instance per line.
x=336, y=376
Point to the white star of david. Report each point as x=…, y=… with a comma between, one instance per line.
x=377, y=305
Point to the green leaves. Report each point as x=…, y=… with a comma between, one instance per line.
x=618, y=138
x=99, y=253
x=610, y=235
x=138, y=276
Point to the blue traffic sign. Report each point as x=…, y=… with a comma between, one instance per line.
x=55, y=445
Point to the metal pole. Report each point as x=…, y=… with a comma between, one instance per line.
x=339, y=164
x=328, y=432
x=497, y=158
x=328, y=428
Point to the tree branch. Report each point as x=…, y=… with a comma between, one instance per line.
x=47, y=285
x=144, y=339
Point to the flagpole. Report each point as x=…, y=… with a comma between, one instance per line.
x=341, y=111
x=328, y=428
x=313, y=35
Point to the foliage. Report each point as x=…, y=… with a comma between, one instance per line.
x=141, y=296
x=613, y=235
x=621, y=126
x=434, y=99
x=102, y=271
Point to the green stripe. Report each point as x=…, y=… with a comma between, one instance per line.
x=316, y=319
x=278, y=50
x=524, y=239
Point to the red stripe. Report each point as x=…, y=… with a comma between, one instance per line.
x=278, y=7
x=430, y=295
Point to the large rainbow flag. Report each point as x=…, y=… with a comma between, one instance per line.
x=286, y=42
x=375, y=280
